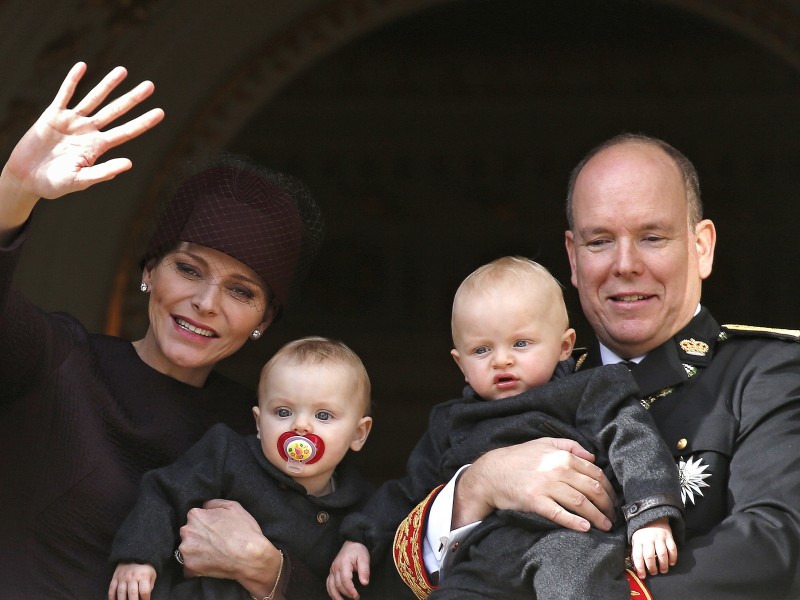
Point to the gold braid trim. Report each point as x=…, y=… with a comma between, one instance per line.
x=407, y=550
x=647, y=401
x=638, y=589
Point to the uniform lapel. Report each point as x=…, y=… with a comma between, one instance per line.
x=661, y=368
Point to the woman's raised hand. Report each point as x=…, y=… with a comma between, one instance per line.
x=61, y=152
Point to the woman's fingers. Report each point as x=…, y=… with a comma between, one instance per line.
x=100, y=92
x=67, y=89
x=133, y=128
x=115, y=109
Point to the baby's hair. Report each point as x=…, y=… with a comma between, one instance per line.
x=511, y=270
x=316, y=350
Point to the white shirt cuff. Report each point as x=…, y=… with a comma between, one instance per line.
x=440, y=541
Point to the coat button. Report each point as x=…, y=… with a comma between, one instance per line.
x=322, y=517
x=682, y=443
x=454, y=547
x=633, y=508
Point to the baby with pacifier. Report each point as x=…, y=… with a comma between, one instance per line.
x=313, y=406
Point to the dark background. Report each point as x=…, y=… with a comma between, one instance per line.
x=436, y=136
x=443, y=141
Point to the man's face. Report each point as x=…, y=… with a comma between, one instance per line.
x=637, y=264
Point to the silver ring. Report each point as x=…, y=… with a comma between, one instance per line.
x=179, y=556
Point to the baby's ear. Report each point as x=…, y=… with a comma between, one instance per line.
x=457, y=357
x=257, y=416
x=362, y=432
x=567, y=343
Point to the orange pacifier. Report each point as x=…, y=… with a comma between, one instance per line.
x=300, y=450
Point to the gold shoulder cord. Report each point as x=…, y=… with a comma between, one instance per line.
x=785, y=333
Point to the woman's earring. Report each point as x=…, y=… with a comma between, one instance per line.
x=255, y=335
x=144, y=287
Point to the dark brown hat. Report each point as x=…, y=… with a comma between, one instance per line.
x=263, y=218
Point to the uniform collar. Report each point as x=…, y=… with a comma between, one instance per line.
x=696, y=343
x=663, y=367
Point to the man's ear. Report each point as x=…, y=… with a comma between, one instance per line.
x=569, y=242
x=362, y=432
x=705, y=242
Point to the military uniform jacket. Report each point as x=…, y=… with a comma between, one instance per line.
x=727, y=402
x=224, y=464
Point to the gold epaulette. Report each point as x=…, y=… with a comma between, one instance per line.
x=792, y=335
x=407, y=550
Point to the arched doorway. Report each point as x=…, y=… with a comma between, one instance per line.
x=441, y=134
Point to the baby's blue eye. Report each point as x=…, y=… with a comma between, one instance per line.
x=283, y=412
x=481, y=350
x=324, y=415
x=520, y=344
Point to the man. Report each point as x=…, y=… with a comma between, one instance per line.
x=725, y=399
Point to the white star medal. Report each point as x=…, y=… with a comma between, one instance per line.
x=692, y=476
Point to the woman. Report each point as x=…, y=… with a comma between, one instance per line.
x=83, y=416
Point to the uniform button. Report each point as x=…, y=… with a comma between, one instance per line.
x=682, y=443
x=322, y=517
x=631, y=509
x=454, y=547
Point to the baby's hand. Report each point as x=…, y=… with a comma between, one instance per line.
x=352, y=557
x=653, y=549
x=132, y=580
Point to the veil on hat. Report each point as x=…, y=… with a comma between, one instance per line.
x=261, y=217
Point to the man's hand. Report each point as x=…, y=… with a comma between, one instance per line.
x=553, y=478
x=353, y=557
